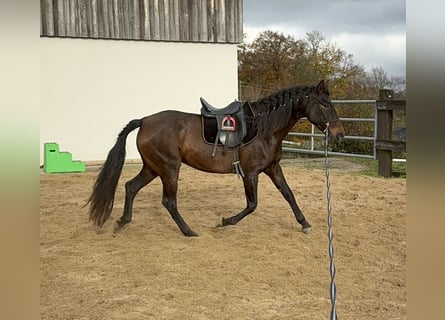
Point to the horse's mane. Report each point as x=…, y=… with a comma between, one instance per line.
x=275, y=110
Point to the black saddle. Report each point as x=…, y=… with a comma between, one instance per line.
x=209, y=110
x=229, y=126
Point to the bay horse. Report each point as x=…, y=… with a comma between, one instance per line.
x=169, y=138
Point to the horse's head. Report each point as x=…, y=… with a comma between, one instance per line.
x=320, y=111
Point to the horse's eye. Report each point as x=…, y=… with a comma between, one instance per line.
x=325, y=106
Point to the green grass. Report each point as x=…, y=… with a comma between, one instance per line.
x=372, y=167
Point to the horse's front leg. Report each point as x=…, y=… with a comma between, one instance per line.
x=276, y=175
x=251, y=191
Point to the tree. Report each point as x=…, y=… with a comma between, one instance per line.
x=266, y=63
x=274, y=61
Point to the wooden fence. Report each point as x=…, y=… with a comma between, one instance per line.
x=384, y=143
x=159, y=20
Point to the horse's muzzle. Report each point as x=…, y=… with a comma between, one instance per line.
x=336, y=132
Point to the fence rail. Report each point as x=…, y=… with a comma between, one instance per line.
x=313, y=135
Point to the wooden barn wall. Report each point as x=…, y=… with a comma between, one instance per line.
x=159, y=20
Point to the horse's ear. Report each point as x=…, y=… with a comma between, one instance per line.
x=326, y=84
x=321, y=87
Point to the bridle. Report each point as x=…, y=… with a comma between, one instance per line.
x=327, y=122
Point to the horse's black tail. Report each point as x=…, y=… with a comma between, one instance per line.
x=102, y=198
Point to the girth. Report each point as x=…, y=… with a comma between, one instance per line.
x=230, y=127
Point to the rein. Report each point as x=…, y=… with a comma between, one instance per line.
x=333, y=288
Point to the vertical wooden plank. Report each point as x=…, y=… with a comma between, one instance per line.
x=155, y=22
x=88, y=18
x=211, y=21
x=220, y=21
x=94, y=19
x=204, y=20
x=108, y=18
x=77, y=21
x=125, y=18
x=121, y=16
x=229, y=25
x=59, y=18
x=151, y=19
x=239, y=22
x=147, y=29
x=174, y=20
x=66, y=16
x=71, y=30
x=194, y=21
x=48, y=25
x=233, y=18
x=136, y=25
x=116, y=22
x=100, y=19
x=133, y=19
x=167, y=16
x=105, y=20
x=78, y=5
x=84, y=18
x=384, y=126
x=141, y=20
x=161, y=14
x=41, y=19
x=384, y=132
x=184, y=21
x=70, y=21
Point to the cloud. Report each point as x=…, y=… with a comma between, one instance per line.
x=329, y=16
x=373, y=50
x=373, y=31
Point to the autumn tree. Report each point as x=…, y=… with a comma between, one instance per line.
x=266, y=65
x=274, y=61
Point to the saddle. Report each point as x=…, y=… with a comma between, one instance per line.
x=229, y=126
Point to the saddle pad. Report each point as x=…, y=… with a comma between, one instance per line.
x=209, y=129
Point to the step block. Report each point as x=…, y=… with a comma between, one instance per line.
x=59, y=162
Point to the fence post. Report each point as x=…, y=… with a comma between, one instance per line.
x=384, y=132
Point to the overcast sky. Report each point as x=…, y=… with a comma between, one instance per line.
x=373, y=31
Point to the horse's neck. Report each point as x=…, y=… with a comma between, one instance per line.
x=281, y=133
x=280, y=129
x=295, y=115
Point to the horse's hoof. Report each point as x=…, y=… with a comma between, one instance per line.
x=226, y=222
x=190, y=233
x=119, y=226
x=307, y=230
x=223, y=223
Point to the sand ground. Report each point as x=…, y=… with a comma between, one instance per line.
x=262, y=268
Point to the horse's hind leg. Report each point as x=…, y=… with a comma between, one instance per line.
x=131, y=189
x=169, y=196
